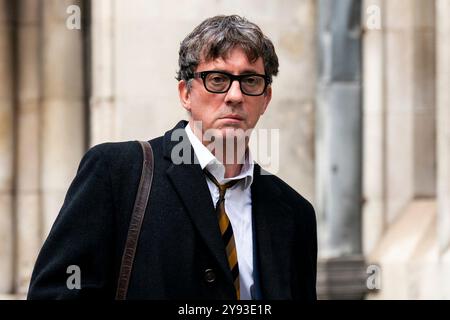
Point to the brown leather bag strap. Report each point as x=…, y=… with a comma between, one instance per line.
x=137, y=217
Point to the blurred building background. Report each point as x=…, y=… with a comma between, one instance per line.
x=362, y=102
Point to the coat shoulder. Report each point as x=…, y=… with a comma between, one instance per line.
x=120, y=153
x=289, y=194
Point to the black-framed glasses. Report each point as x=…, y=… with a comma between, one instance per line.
x=220, y=82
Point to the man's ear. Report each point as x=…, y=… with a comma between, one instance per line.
x=184, y=94
x=267, y=98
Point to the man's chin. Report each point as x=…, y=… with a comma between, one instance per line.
x=232, y=132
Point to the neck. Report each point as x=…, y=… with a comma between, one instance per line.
x=233, y=160
x=231, y=151
x=232, y=170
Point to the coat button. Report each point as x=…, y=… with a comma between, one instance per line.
x=210, y=275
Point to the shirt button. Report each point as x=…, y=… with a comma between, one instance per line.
x=210, y=275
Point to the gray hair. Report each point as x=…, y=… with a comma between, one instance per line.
x=215, y=37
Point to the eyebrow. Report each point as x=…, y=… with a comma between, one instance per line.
x=246, y=71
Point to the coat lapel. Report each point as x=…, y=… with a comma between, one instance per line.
x=191, y=186
x=273, y=225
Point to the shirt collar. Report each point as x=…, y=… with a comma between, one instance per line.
x=207, y=160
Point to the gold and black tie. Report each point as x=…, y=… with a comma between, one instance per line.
x=226, y=229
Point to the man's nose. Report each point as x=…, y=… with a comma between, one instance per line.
x=234, y=94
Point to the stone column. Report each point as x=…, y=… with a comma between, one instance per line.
x=28, y=200
x=443, y=118
x=374, y=119
x=399, y=112
x=338, y=145
x=103, y=101
x=399, y=127
x=63, y=110
x=424, y=99
x=400, y=157
x=6, y=147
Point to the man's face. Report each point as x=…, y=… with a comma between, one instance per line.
x=225, y=111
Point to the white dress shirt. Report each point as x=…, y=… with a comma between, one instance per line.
x=238, y=206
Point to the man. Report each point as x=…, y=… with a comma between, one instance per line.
x=216, y=226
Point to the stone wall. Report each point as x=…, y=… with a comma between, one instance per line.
x=130, y=72
x=129, y=67
x=6, y=147
x=405, y=216
x=43, y=129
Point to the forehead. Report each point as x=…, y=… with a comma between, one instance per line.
x=234, y=60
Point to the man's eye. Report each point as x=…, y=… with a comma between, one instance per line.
x=217, y=79
x=251, y=81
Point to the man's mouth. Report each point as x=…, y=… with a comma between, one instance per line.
x=232, y=117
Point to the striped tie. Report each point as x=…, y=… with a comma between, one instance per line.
x=226, y=229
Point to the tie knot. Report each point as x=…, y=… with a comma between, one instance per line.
x=222, y=187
